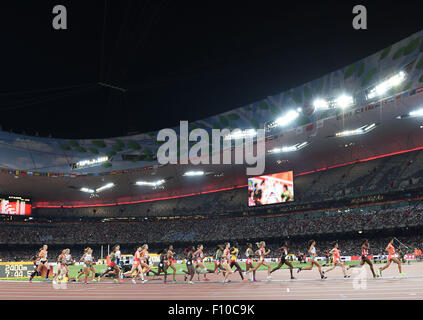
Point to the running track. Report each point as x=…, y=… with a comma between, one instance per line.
x=307, y=286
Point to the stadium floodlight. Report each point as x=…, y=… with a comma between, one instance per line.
x=152, y=184
x=386, y=85
x=292, y=148
x=361, y=130
x=416, y=113
x=240, y=134
x=320, y=104
x=287, y=118
x=87, y=190
x=107, y=186
x=89, y=163
x=194, y=173
x=344, y=101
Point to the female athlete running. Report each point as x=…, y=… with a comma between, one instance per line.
x=226, y=257
x=61, y=263
x=284, y=252
x=42, y=262
x=144, y=259
x=261, y=253
x=234, y=258
x=189, y=257
x=249, y=255
x=365, y=257
x=169, y=261
x=313, y=262
x=112, y=264
x=391, y=257
x=88, y=260
x=136, y=266
x=336, y=255
x=218, y=259
x=163, y=266
x=199, y=255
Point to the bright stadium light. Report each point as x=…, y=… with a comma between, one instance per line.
x=344, y=101
x=152, y=184
x=320, y=104
x=416, y=113
x=292, y=148
x=361, y=130
x=87, y=190
x=386, y=85
x=240, y=134
x=107, y=186
x=287, y=118
x=89, y=163
x=194, y=173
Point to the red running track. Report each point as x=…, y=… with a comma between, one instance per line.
x=306, y=286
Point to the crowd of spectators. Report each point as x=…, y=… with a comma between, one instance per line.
x=197, y=230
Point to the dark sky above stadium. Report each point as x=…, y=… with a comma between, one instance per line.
x=177, y=60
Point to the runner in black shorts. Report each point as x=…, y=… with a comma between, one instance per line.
x=162, y=264
x=364, y=257
x=284, y=252
x=191, y=270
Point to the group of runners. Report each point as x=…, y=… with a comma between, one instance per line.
x=225, y=260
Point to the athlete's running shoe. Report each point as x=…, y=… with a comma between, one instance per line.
x=402, y=274
x=323, y=276
x=133, y=281
x=185, y=277
x=190, y=282
x=115, y=280
x=269, y=278
x=299, y=269
x=346, y=277
x=292, y=278
x=144, y=281
x=206, y=279
x=379, y=272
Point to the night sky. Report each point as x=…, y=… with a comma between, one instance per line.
x=177, y=60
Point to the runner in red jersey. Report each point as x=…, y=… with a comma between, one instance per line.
x=136, y=266
x=226, y=258
x=392, y=256
x=337, y=262
x=169, y=261
x=365, y=258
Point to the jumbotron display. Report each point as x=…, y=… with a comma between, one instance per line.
x=17, y=206
x=270, y=189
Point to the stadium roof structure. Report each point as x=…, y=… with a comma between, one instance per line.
x=43, y=168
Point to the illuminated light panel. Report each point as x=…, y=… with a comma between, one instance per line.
x=287, y=118
x=344, y=101
x=240, y=134
x=416, y=113
x=385, y=86
x=193, y=173
x=90, y=162
x=105, y=187
x=295, y=147
x=320, y=104
x=152, y=184
x=361, y=130
x=87, y=190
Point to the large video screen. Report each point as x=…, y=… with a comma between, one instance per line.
x=15, y=206
x=270, y=189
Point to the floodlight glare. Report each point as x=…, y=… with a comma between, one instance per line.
x=385, y=86
x=147, y=183
x=240, y=134
x=107, y=186
x=416, y=113
x=292, y=148
x=287, y=118
x=87, y=190
x=320, y=104
x=361, y=130
x=344, y=101
x=194, y=173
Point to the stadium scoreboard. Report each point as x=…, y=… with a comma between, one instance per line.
x=13, y=205
x=15, y=270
